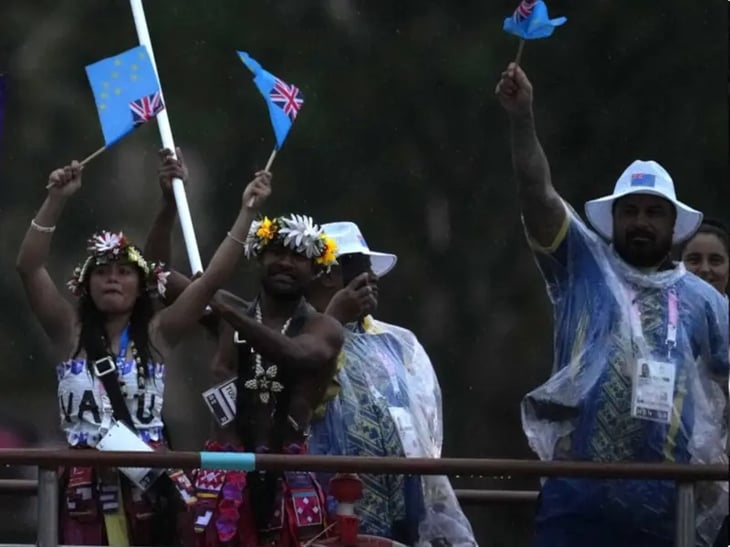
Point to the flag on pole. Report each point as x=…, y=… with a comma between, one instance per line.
x=530, y=21
x=284, y=100
x=126, y=91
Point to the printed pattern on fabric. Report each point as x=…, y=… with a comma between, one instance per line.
x=390, y=405
x=86, y=412
x=357, y=425
x=224, y=511
x=88, y=498
x=607, y=316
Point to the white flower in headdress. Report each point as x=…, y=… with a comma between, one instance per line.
x=106, y=241
x=303, y=233
x=255, y=225
x=74, y=284
x=162, y=282
x=260, y=234
x=249, y=248
x=251, y=245
x=108, y=246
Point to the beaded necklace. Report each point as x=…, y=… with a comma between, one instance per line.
x=126, y=342
x=264, y=380
x=140, y=366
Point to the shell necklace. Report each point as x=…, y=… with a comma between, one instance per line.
x=264, y=380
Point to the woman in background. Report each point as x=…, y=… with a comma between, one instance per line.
x=707, y=255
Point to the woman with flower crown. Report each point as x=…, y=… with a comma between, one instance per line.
x=111, y=348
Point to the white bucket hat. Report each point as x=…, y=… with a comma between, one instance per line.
x=643, y=177
x=349, y=240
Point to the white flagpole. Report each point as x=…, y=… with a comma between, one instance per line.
x=163, y=123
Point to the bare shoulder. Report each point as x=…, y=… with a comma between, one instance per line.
x=325, y=325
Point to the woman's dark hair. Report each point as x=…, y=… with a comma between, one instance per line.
x=93, y=338
x=714, y=227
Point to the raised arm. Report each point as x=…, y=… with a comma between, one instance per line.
x=159, y=240
x=542, y=208
x=55, y=313
x=187, y=309
x=319, y=342
x=158, y=247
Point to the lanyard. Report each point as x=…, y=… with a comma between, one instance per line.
x=123, y=344
x=672, y=318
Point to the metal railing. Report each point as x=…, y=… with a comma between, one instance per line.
x=48, y=462
x=29, y=487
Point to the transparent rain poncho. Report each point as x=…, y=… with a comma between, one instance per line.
x=640, y=375
x=387, y=383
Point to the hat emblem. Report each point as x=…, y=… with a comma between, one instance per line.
x=644, y=180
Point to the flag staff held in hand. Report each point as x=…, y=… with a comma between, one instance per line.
x=284, y=102
x=127, y=95
x=84, y=161
x=530, y=21
x=163, y=124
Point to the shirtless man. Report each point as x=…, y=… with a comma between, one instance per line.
x=281, y=355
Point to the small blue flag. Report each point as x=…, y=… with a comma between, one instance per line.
x=284, y=100
x=126, y=91
x=531, y=21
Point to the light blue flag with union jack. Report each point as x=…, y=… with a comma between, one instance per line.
x=530, y=21
x=126, y=91
x=284, y=100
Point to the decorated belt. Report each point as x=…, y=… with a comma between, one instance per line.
x=299, y=507
x=209, y=483
x=183, y=485
x=306, y=507
x=81, y=483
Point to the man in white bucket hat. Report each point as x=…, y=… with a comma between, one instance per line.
x=350, y=241
x=645, y=186
x=621, y=307
x=388, y=402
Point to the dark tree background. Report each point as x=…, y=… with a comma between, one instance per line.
x=400, y=132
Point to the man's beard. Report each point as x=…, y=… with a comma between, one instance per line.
x=642, y=254
x=279, y=293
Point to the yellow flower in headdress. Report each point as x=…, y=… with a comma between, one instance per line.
x=329, y=252
x=266, y=230
x=134, y=256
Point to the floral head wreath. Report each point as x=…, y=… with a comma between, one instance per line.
x=296, y=232
x=106, y=247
